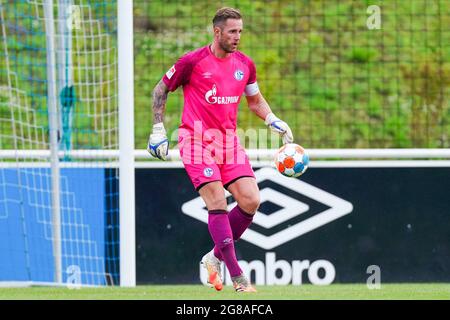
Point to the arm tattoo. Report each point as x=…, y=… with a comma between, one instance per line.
x=159, y=102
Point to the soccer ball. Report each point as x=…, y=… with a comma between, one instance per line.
x=291, y=160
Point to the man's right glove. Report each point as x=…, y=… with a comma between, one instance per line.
x=280, y=127
x=158, y=144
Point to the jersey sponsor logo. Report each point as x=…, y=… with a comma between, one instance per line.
x=239, y=75
x=171, y=72
x=211, y=97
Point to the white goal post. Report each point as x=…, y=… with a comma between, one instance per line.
x=126, y=144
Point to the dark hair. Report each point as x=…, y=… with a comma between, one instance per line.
x=225, y=13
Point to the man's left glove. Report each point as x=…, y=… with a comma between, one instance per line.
x=158, y=144
x=280, y=127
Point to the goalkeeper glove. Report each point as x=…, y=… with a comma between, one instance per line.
x=280, y=127
x=158, y=144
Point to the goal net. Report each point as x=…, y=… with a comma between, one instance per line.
x=59, y=206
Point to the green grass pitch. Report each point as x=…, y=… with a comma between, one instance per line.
x=198, y=292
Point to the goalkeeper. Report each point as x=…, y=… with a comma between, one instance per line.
x=214, y=78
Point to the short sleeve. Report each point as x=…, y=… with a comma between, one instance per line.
x=179, y=74
x=252, y=72
x=252, y=86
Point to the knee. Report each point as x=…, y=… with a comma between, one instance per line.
x=249, y=203
x=217, y=202
x=214, y=196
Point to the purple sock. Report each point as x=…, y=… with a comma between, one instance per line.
x=220, y=230
x=239, y=222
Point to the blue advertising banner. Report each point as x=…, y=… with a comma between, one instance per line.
x=26, y=234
